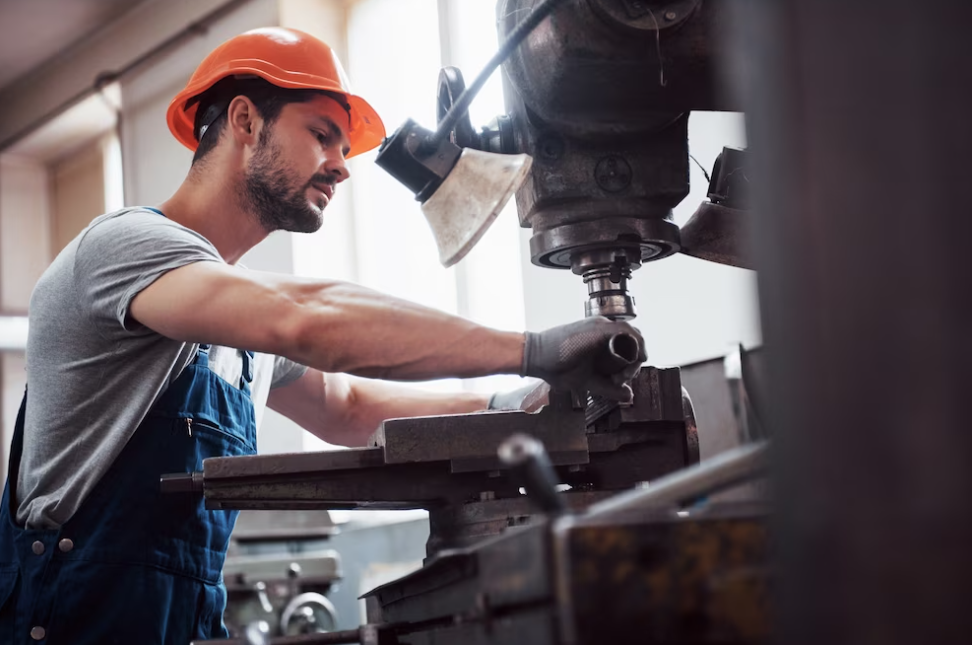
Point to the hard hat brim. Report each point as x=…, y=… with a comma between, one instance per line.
x=367, y=128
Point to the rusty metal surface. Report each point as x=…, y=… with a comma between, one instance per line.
x=719, y=234
x=666, y=579
x=638, y=578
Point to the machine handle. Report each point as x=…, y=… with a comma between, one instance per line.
x=528, y=460
x=181, y=483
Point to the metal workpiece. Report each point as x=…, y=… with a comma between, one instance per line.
x=623, y=350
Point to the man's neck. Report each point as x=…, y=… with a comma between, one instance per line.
x=211, y=206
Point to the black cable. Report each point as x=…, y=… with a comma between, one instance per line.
x=702, y=168
x=517, y=36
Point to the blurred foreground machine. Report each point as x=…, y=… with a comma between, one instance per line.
x=599, y=96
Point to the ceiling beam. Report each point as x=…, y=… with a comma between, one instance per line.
x=42, y=94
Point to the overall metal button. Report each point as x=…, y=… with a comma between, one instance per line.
x=38, y=633
x=37, y=547
x=65, y=545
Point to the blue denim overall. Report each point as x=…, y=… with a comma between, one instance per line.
x=132, y=565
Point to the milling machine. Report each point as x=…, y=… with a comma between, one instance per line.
x=598, y=94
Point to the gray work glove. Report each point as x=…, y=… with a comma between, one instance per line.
x=577, y=357
x=529, y=397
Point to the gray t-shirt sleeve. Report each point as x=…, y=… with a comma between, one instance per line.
x=285, y=372
x=122, y=254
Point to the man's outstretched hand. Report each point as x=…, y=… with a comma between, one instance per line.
x=579, y=357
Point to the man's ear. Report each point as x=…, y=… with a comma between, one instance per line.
x=244, y=120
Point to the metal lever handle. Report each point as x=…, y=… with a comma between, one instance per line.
x=530, y=464
x=181, y=483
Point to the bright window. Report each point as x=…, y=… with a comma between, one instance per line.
x=395, y=51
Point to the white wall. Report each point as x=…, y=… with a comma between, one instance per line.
x=78, y=193
x=13, y=378
x=24, y=254
x=24, y=229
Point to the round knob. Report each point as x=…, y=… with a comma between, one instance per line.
x=258, y=633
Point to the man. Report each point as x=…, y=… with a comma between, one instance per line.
x=130, y=374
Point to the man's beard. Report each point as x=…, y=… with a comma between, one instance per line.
x=270, y=197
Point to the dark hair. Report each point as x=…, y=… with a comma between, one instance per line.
x=268, y=98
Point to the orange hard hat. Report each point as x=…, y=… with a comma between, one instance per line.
x=286, y=58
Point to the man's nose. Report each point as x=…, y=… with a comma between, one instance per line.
x=335, y=166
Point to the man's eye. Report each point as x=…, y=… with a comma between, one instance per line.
x=322, y=138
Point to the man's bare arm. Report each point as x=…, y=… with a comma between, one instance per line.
x=331, y=326
x=345, y=410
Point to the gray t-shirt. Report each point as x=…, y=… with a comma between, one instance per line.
x=93, y=372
